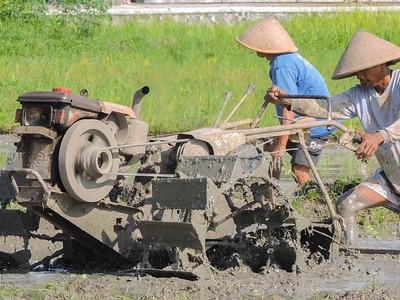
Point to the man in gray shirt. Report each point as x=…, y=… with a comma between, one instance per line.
x=376, y=101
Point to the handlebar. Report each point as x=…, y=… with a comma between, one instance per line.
x=317, y=97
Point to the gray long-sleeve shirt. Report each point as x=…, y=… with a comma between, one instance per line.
x=376, y=113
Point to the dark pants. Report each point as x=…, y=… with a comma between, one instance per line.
x=314, y=147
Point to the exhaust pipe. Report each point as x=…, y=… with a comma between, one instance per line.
x=137, y=98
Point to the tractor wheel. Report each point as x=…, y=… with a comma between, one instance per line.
x=84, y=162
x=193, y=148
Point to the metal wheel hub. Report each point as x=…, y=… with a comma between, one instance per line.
x=95, y=161
x=85, y=162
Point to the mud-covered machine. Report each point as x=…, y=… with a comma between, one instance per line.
x=204, y=198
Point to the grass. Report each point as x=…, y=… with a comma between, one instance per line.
x=98, y=287
x=76, y=289
x=188, y=67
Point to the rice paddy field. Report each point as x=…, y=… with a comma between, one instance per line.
x=188, y=67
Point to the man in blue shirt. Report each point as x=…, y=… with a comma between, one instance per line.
x=296, y=76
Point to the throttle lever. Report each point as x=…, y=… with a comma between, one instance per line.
x=349, y=139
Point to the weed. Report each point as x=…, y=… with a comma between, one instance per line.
x=22, y=10
x=312, y=192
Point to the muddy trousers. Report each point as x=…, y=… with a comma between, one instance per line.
x=354, y=200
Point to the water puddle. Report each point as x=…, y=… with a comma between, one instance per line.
x=365, y=271
x=376, y=243
x=6, y=147
x=32, y=278
x=336, y=162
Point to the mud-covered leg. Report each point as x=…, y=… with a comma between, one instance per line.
x=356, y=199
x=301, y=174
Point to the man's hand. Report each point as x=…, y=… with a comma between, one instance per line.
x=278, y=150
x=369, y=145
x=274, y=96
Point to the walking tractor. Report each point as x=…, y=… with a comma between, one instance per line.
x=178, y=205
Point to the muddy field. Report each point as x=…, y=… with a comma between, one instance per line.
x=350, y=276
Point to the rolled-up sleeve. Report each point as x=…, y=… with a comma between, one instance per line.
x=342, y=107
x=391, y=134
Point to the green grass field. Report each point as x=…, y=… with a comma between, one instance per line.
x=188, y=67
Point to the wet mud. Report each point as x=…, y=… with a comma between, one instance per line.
x=350, y=275
x=354, y=276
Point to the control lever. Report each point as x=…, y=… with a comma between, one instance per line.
x=350, y=140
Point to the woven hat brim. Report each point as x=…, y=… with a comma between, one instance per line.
x=364, y=51
x=268, y=51
x=268, y=37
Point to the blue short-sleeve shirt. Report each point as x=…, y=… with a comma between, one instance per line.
x=296, y=76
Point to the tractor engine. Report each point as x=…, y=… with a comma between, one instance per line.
x=75, y=142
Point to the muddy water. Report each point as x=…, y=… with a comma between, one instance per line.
x=336, y=162
x=6, y=146
x=379, y=270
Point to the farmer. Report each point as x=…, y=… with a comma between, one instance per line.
x=293, y=73
x=376, y=102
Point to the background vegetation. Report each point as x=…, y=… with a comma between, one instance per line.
x=188, y=67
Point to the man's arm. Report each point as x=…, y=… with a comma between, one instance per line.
x=287, y=118
x=391, y=134
x=342, y=107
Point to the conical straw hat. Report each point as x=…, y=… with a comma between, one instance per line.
x=364, y=51
x=267, y=37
